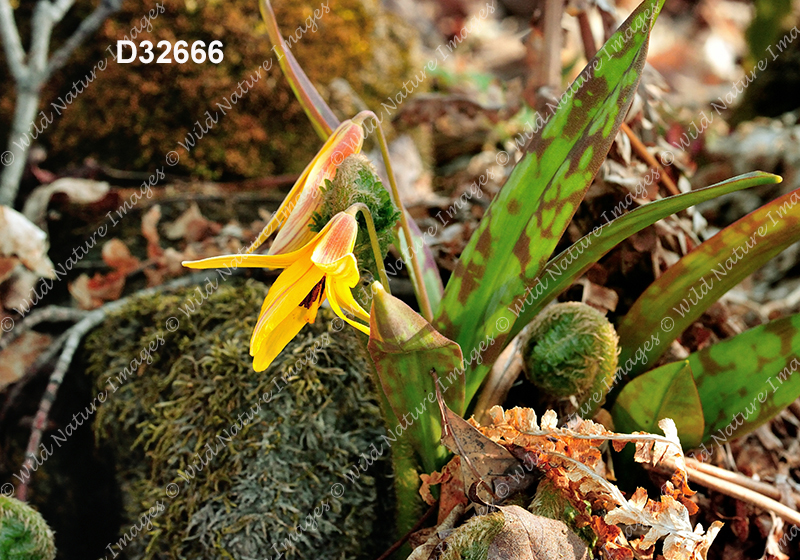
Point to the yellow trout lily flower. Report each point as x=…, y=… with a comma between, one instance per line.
x=304, y=199
x=323, y=268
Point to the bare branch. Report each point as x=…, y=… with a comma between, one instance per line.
x=87, y=27
x=15, y=54
x=59, y=9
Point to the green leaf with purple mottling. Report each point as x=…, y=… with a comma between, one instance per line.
x=746, y=380
x=690, y=286
x=404, y=348
x=527, y=218
x=564, y=269
x=666, y=392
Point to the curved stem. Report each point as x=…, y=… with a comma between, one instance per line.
x=373, y=239
x=322, y=118
x=416, y=276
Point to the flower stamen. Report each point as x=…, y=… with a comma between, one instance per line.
x=315, y=294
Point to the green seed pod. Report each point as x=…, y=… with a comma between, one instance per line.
x=24, y=534
x=571, y=350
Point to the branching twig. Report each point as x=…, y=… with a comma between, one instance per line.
x=50, y=314
x=73, y=337
x=87, y=27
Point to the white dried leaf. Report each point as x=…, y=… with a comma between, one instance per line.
x=22, y=239
x=80, y=191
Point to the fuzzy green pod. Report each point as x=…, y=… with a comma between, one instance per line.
x=571, y=349
x=24, y=534
x=356, y=180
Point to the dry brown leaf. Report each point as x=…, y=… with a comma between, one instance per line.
x=18, y=357
x=452, y=488
x=150, y=232
x=117, y=255
x=481, y=458
x=191, y=226
x=80, y=191
x=531, y=537
x=91, y=293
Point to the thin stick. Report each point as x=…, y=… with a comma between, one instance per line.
x=50, y=314
x=738, y=492
x=416, y=277
x=641, y=150
x=73, y=338
x=373, y=239
x=589, y=46
x=740, y=479
x=396, y=546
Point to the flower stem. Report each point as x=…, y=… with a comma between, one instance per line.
x=414, y=264
x=373, y=239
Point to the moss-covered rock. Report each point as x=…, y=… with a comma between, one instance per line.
x=129, y=116
x=217, y=461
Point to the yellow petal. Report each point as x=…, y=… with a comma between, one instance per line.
x=285, y=295
x=347, y=139
x=245, y=261
x=336, y=240
x=345, y=270
x=340, y=296
x=271, y=343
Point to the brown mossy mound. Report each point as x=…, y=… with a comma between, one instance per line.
x=208, y=473
x=131, y=115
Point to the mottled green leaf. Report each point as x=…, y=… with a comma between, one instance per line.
x=564, y=269
x=746, y=380
x=404, y=348
x=666, y=392
x=690, y=286
x=532, y=210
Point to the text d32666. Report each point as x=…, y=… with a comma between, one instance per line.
x=180, y=53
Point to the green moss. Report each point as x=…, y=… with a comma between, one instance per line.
x=571, y=350
x=24, y=534
x=471, y=540
x=244, y=483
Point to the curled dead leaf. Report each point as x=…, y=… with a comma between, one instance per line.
x=79, y=191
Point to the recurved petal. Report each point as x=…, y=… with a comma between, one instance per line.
x=340, y=297
x=336, y=240
x=270, y=342
x=245, y=261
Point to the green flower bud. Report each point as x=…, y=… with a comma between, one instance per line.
x=571, y=350
x=24, y=534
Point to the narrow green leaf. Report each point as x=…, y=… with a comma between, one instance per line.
x=322, y=118
x=746, y=380
x=564, y=269
x=690, y=286
x=404, y=348
x=527, y=218
x=666, y=392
